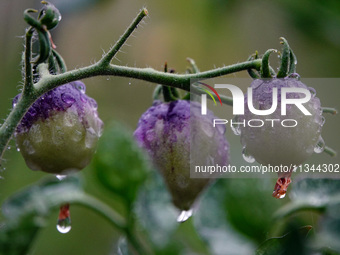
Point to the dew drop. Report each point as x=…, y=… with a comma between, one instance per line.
x=81, y=87
x=18, y=149
x=184, y=215
x=90, y=138
x=323, y=120
x=9, y=147
x=28, y=146
x=235, y=126
x=61, y=177
x=312, y=91
x=295, y=76
x=77, y=136
x=320, y=146
x=35, y=133
x=68, y=99
x=247, y=157
x=282, y=195
x=129, y=83
x=64, y=219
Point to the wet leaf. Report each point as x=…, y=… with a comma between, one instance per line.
x=311, y=194
x=120, y=165
x=250, y=207
x=211, y=224
x=155, y=211
x=289, y=244
x=26, y=212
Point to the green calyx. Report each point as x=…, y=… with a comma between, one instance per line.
x=48, y=18
x=49, y=15
x=287, y=65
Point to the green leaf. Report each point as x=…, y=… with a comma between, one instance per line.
x=290, y=244
x=250, y=206
x=120, y=165
x=323, y=196
x=329, y=235
x=210, y=222
x=311, y=194
x=155, y=211
x=26, y=212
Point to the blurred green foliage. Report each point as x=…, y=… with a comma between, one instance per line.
x=235, y=216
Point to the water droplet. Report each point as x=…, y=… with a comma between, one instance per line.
x=93, y=103
x=282, y=195
x=184, y=216
x=295, y=76
x=281, y=187
x=35, y=133
x=68, y=99
x=61, y=177
x=9, y=147
x=28, y=147
x=129, y=83
x=91, y=138
x=312, y=91
x=57, y=135
x=320, y=146
x=64, y=219
x=81, y=87
x=235, y=127
x=150, y=135
x=18, y=149
x=77, y=136
x=323, y=120
x=246, y=156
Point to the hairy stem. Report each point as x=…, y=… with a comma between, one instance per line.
x=48, y=81
x=28, y=83
x=102, y=209
x=113, y=51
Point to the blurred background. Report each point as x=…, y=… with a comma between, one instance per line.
x=213, y=32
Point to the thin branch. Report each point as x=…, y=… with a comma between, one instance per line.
x=113, y=51
x=28, y=65
x=102, y=209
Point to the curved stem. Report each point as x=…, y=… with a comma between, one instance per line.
x=102, y=209
x=28, y=83
x=113, y=51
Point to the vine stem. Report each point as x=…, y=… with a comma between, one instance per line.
x=102, y=209
x=106, y=59
x=48, y=82
x=113, y=217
